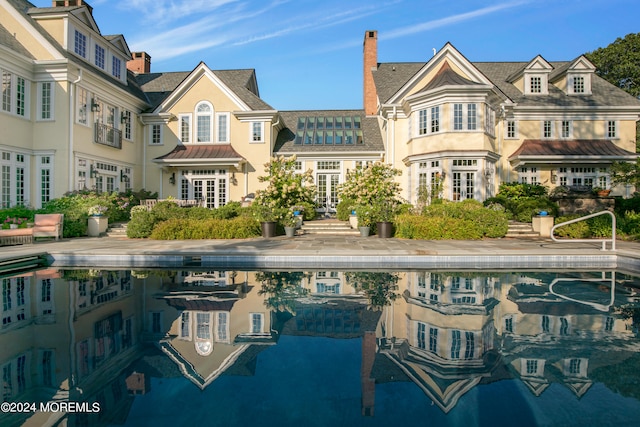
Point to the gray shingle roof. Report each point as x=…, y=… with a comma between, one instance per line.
x=372, y=139
x=8, y=40
x=158, y=86
x=390, y=77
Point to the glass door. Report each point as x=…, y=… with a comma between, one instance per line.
x=463, y=185
x=327, y=184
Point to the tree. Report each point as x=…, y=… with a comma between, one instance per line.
x=619, y=63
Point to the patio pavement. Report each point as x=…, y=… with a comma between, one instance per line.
x=324, y=250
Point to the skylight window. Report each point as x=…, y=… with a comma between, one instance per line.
x=336, y=130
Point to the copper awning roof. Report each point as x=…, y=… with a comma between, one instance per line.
x=201, y=155
x=556, y=151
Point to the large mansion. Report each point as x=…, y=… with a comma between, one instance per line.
x=81, y=111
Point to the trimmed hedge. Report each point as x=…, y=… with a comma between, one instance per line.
x=181, y=229
x=466, y=220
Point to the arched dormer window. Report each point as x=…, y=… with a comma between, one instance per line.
x=204, y=122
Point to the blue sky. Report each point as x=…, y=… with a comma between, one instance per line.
x=308, y=53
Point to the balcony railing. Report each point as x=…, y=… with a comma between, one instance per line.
x=108, y=135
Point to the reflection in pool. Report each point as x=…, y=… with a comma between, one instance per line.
x=322, y=347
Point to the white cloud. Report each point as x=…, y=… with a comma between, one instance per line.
x=450, y=20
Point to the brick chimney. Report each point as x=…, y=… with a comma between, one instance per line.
x=68, y=3
x=370, y=62
x=140, y=63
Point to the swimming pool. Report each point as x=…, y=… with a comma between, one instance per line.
x=322, y=347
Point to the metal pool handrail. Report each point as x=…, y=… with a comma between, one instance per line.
x=582, y=218
x=597, y=306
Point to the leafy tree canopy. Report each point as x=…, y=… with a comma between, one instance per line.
x=619, y=63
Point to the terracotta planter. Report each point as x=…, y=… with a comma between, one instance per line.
x=385, y=229
x=268, y=228
x=603, y=193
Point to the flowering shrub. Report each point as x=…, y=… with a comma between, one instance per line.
x=97, y=210
x=14, y=221
x=375, y=187
x=287, y=188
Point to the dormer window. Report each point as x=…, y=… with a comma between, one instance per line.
x=535, y=84
x=80, y=44
x=579, y=84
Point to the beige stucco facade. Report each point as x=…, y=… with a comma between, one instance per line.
x=75, y=118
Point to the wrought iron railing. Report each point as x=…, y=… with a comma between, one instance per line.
x=108, y=135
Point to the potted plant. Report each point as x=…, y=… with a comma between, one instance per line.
x=98, y=222
x=290, y=223
x=365, y=220
x=601, y=192
x=383, y=214
x=14, y=222
x=267, y=217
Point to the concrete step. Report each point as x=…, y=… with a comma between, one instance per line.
x=521, y=229
x=331, y=226
x=117, y=229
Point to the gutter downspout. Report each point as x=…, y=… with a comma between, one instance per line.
x=72, y=168
x=144, y=152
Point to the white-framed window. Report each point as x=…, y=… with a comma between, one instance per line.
x=489, y=120
x=127, y=130
x=509, y=324
x=256, y=322
x=257, y=132
x=223, y=127
x=422, y=122
x=611, y=130
x=578, y=84
x=529, y=175
x=566, y=129
x=547, y=129
x=45, y=101
x=45, y=167
x=185, y=325
x=204, y=122
x=222, y=327
x=14, y=169
x=512, y=129
x=184, y=128
x=156, y=134
x=80, y=44
x=82, y=101
x=435, y=119
x=464, y=117
x=47, y=368
x=99, y=56
x=15, y=94
x=116, y=67
x=535, y=84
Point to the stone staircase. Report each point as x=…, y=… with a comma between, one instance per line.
x=329, y=226
x=117, y=229
x=521, y=230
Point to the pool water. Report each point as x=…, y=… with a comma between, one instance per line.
x=320, y=348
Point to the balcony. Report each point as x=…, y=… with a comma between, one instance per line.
x=108, y=135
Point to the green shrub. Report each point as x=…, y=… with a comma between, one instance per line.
x=629, y=224
x=577, y=230
x=168, y=210
x=344, y=208
x=520, y=190
x=178, y=229
x=466, y=220
x=524, y=209
x=141, y=224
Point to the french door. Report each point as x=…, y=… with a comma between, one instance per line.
x=463, y=185
x=327, y=185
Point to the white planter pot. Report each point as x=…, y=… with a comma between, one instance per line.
x=97, y=225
